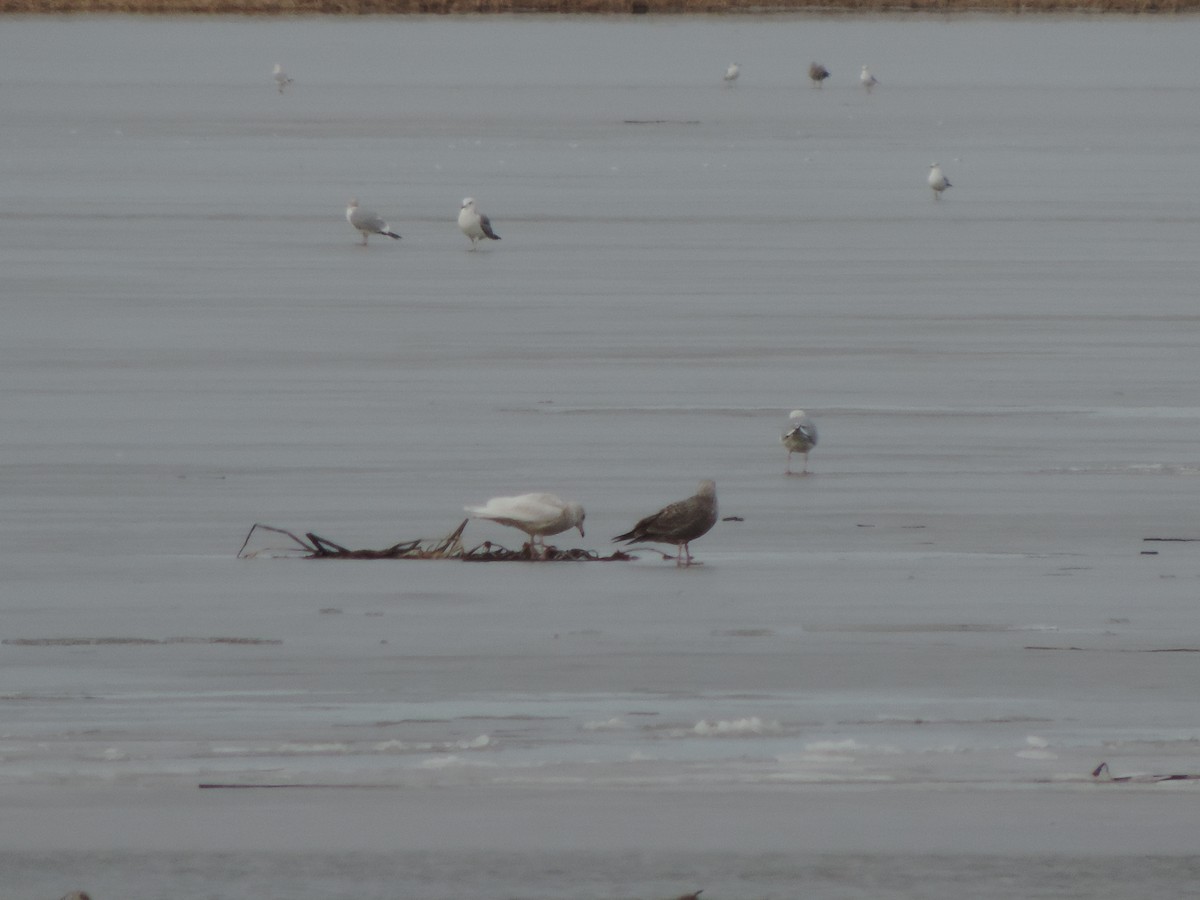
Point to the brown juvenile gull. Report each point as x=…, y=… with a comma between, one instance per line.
x=800, y=437
x=535, y=514
x=678, y=523
x=938, y=181
x=475, y=224
x=281, y=77
x=368, y=221
x=817, y=73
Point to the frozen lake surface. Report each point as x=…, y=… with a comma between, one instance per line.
x=891, y=679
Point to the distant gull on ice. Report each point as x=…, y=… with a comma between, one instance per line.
x=732, y=73
x=77, y=895
x=695, y=895
x=535, y=514
x=938, y=180
x=818, y=73
x=867, y=80
x=368, y=221
x=475, y=224
x=678, y=523
x=800, y=437
x=281, y=78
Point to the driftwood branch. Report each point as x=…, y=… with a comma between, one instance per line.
x=313, y=546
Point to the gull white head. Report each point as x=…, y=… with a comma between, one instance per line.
x=468, y=201
x=575, y=515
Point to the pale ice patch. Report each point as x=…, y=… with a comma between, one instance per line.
x=298, y=749
x=847, y=750
x=616, y=723
x=849, y=745
x=339, y=748
x=1036, y=748
x=736, y=727
x=453, y=761
x=477, y=743
x=1128, y=469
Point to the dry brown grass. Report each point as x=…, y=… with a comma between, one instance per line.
x=590, y=7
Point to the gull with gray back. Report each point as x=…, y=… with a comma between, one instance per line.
x=368, y=221
x=800, y=437
x=938, y=181
x=475, y=224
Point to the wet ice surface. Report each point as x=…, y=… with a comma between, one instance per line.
x=890, y=680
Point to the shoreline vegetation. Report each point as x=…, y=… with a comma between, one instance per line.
x=587, y=7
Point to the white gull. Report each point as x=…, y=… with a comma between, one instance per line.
x=475, y=224
x=867, y=80
x=938, y=181
x=281, y=77
x=535, y=514
x=800, y=437
x=368, y=221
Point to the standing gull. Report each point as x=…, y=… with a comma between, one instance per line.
x=535, y=514
x=475, y=224
x=368, y=221
x=281, y=78
x=818, y=73
x=732, y=73
x=867, y=80
x=800, y=437
x=678, y=523
x=938, y=180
